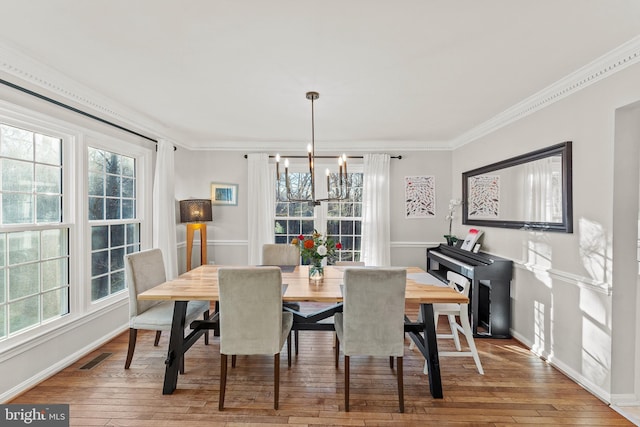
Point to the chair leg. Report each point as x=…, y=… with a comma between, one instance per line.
x=182, y=365
x=297, y=341
x=223, y=380
x=454, y=331
x=466, y=327
x=337, y=349
x=157, y=340
x=390, y=362
x=289, y=349
x=400, y=385
x=276, y=380
x=233, y=360
x=133, y=334
x=216, y=328
x=206, y=316
x=346, y=383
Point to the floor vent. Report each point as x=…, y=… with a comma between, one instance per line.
x=95, y=362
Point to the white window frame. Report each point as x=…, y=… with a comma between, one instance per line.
x=75, y=139
x=143, y=159
x=36, y=122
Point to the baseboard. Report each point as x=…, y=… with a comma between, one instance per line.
x=575, y=376
x=628, y=399
x=60, y=365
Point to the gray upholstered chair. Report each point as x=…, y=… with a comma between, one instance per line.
x=280, y=254
x=251, y=319
x=145, y=270
x=349, y=263
x=283, y=254
x=372, y=320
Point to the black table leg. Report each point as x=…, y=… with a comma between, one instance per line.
x=431, y=351
x=176, y=347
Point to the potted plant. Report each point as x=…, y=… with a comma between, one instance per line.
x=453, y=204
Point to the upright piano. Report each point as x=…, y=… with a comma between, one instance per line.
x=490, y=293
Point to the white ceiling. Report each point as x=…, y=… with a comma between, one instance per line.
x=233, y=74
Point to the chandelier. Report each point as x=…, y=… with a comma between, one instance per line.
x=342, y=187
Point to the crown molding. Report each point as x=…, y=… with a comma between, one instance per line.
x=38, y=76
x=322, y=146
x=608, y=64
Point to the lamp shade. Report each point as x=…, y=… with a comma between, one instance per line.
x=195, y=210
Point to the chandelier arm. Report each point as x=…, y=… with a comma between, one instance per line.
x=312, y=155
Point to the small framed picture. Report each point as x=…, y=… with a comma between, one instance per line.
x=224, y=194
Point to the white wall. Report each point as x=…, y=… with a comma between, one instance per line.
x=227, y=234
x=625, y=267
x=561, y=294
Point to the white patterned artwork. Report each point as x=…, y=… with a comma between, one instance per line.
x=484, y=196
x=420, y=196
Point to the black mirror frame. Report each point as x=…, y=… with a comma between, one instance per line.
x=566, y=226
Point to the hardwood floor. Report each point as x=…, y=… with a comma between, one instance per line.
x=517, y=389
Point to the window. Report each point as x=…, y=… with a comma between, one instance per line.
x=115, y=231
x=293, y=218
x=343, y=218
x=34, y=242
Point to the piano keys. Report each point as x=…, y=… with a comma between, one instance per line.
x=490, y=294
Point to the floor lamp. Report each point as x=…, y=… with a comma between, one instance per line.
x=195, y=212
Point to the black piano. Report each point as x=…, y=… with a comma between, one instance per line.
x=490, y=295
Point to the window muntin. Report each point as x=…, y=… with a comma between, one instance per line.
x=115, y=231
x=34, y=259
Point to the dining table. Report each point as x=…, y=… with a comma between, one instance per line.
x=201, y=283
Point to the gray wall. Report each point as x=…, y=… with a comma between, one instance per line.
x=563, y=292
x=227, y=234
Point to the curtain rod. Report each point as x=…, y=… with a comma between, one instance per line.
x=75, y=110
x=323, y=157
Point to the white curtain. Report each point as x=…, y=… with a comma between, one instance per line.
x=164, y=208
x=376, y=222
x=261, y=205
x=541, y=201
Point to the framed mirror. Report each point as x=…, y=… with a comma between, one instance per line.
x=531, y=192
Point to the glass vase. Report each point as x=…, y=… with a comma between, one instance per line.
x=316, y=271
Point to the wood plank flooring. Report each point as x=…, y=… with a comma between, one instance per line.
x=517, y=389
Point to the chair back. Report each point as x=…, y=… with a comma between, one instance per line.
x=373, y=311
x=144, y=270
x=250, y=310
x=458, y=282
x=350, y=263
x=280, y=254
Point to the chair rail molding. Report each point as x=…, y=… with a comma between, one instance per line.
x=570, y=278
x=217, y=243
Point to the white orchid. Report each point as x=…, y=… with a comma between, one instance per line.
x=453, y=204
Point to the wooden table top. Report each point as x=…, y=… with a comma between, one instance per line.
x=202, y=284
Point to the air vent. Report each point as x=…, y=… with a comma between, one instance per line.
x=96, y=361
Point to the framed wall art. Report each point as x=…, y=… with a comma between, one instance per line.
x=420, y=196
x=224, y=194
